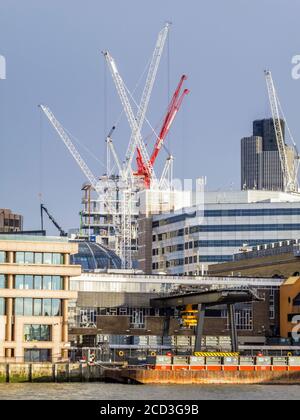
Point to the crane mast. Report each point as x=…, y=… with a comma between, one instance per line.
x=144, y=103
x=120, y=86
x=289, y=175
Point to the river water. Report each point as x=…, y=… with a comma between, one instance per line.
x=102, y=391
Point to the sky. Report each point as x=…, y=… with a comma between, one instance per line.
x=53, y=56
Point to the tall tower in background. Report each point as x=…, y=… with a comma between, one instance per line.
x=260, y=160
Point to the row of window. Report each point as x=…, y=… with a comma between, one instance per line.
x=37, y=355
x=231, y=213
x=34, y=258
x=39, y=258
x=226, y=228
x=34, y=307
x=245, y=228
x=37, y=307
x=211, y=243
x=179, y=262
x=28, y=282
x=37, y=333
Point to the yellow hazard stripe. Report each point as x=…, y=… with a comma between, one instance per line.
x=215, y=354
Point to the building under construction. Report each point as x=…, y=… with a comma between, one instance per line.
x=111, y=204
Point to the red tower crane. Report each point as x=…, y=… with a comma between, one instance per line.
x=173, y=108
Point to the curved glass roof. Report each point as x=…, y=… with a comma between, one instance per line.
x=93, y=256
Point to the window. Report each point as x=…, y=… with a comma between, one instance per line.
x=37, y=307
x=29, y=257
x=37, y=333
x=36, y=355
x=47, y=307
x=38, y=282
x=47, y=258
x=57, y=283
x=28, y=306
x=19, y=282
x=2, y=306
x=2, y=281
x=47, y=282
x=20, y=257
x=28, y=282
x=296, y=301
x=19, y=306
x=55, y=310
x=2, y=257
x=38, y=258
x=57, y=259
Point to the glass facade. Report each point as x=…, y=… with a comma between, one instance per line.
x=230, y=213
x=2, y=281
x=2, y=306
x=37, y=333
x=29, y=282
x=37, y=355
x=92, y=256
x=37, y=307
x=39, y=258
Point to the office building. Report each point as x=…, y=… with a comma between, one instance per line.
x=10, y=222
x=34, y=295
x=187, y=242
x=260, y=160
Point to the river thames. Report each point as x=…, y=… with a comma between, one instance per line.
x=101, y=391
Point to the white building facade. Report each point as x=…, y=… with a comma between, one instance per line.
x=186, y=242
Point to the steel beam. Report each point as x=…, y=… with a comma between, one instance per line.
x=232, y=322
x=199, y=328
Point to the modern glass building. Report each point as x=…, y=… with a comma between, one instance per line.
x=260, y=160
x=187, y=242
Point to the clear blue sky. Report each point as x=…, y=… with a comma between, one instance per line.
x=53, y=56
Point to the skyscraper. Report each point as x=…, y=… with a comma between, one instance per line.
x=260, y=160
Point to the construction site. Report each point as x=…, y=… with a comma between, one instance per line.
x=112, y=202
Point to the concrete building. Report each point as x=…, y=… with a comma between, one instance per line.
x=114, y=308
x=260, y=160
x=188, y=241
x=10, y=222
x=34, y=295
x=277, y=259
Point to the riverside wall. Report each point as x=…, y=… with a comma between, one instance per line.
x=75, y=372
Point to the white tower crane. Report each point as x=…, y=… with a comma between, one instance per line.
x=137, y=122
x=289, y=170
x=122, y=233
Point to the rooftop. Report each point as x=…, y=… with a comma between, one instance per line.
x=32, y=238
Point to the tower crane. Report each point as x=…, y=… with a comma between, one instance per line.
x=70, y=146
x=122, y=232
x=289, y=171
x=173, y=108
x=137, y=122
